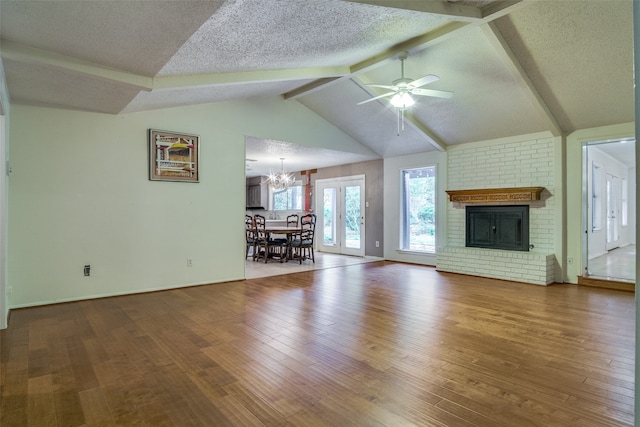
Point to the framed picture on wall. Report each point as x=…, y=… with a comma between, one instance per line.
x=173, y=156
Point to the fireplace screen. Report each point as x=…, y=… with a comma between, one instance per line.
x=498, y=227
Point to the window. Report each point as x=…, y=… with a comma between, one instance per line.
x=418, y=210
x=287, y=200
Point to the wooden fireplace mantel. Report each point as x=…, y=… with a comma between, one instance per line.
x=486, y=195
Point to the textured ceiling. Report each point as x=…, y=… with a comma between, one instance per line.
x=135, y=36
x=266, y=35
x=264, y=156
x=584, y=71
x=515, y=67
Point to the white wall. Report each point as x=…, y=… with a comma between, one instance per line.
x=576, y=212
x=392, y=185
x=80, y=194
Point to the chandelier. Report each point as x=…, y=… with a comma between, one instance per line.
x=280, y=180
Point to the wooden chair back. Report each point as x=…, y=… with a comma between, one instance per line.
x=260, y=224
x=248, y=227
x=308, y=221
x=292, y=220
x=249, y=233
x=304, y=241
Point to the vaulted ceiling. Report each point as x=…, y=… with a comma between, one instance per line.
x=514, y=66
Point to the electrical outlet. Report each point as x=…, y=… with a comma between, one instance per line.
x=189, y=262
x=570, y=260
x=87, y=270
x=377, y=244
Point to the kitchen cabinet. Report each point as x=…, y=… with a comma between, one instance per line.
x=255, y=197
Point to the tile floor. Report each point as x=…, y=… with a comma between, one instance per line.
x=323, y=260
x=619, y=263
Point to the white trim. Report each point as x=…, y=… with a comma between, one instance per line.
x=342, y=178
x=401, y=224
x=4, y=208
x=419, y=253
x=125, y=293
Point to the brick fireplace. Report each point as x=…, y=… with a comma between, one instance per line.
x=500, y=174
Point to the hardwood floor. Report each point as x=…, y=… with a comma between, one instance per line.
x=371, y=344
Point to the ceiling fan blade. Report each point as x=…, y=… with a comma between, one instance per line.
x=382, y=86
x=376, y=97
x=429, y=78
x=431, y=92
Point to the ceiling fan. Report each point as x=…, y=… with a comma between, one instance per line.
x=402, y=89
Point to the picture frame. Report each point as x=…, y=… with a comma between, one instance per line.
x=173, y=156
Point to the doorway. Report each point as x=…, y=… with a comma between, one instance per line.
x=340, y=215
x=608, y=247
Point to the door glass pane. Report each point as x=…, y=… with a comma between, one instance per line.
x=352, y=216
x=329, y=216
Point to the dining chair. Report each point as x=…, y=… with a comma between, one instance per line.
x=292, y=220
x=261, y=238
x=250, y=239
x=302, y=243
x=285, y=243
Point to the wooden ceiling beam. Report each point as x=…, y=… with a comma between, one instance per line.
x=517, y=70
x=431, y=137
x=449, y=9
x=259, y=76
x=417, y=43
x=486, y=14
x=31, y=55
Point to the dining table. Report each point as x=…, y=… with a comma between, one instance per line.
x=283, y=229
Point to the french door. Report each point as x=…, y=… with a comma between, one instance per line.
x=340, y=215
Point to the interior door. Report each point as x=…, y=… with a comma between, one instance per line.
x=340, y=228
x=613, y=198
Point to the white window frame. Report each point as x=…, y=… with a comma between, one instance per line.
x=272, y=193
x=403, y=244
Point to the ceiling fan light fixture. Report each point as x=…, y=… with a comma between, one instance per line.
x=402, y=100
